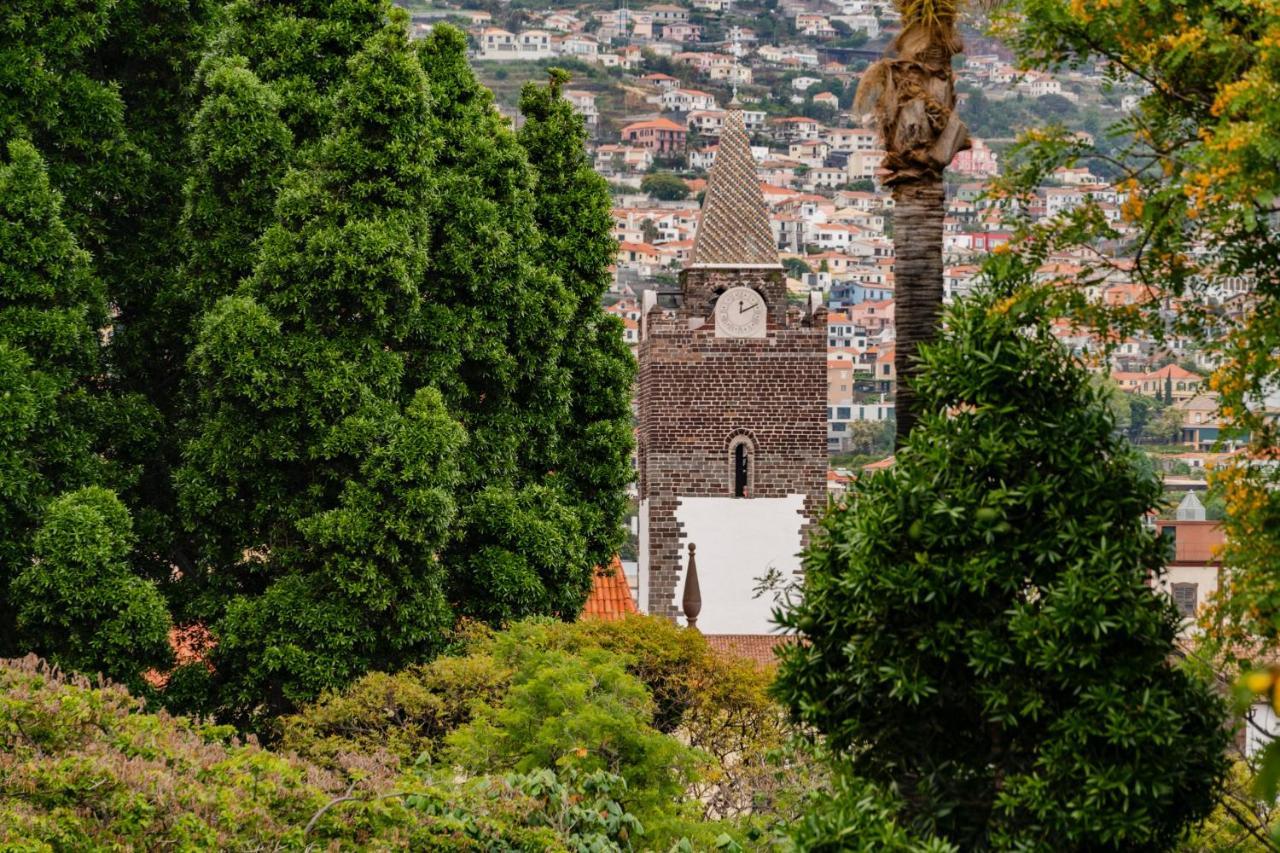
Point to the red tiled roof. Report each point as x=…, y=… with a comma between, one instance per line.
x=190, y=644
x=757, y=648
x=610, y=597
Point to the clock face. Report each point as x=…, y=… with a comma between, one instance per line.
x=740, y=313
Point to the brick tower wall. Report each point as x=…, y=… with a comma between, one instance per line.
x=696, y=394
x=701, y=287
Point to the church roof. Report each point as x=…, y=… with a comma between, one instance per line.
x=610, y=597
x=735, y=230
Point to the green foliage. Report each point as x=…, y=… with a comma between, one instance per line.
x=573, y=211
x=980, y=630
x=1164, y=427
x=857, y=817
x=531, y=372
x=665, y=186
x=320, y=479
x=522, y=554
x=583, y=712
x=239, y=148
x=51, y=412
x=796, y=267
x=544, y=693
x=52, y=97
x=82, y=768
x=79, y=604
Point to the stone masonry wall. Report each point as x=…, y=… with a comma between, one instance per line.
x=697, y=394
x=700, y=287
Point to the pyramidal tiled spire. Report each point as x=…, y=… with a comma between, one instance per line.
x=735, y=230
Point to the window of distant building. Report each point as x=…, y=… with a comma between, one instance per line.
x=1185, y=598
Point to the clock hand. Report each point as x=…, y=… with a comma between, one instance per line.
x=750, y=307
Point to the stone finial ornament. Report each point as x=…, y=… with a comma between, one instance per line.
x=692, y=602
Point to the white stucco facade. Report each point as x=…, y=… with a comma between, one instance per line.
x=739, y=540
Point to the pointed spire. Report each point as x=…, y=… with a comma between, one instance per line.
x=692, y=603
x=735, y=230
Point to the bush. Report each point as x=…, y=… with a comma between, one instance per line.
x=582, y=712
x=79, y=601
x=752, y=773
x=81, y=768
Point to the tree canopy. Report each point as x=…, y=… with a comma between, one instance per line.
x=358, y=382
x=979, y=627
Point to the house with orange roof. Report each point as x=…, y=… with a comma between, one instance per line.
x=662, y=81
x=1173, y=380
x=660, y=135
x=639, y=256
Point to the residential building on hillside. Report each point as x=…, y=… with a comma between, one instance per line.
x=661, y=136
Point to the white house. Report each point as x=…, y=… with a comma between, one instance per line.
x=686, y=100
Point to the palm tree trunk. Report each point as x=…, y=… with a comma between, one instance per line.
x=917, y=271
x=912, y=94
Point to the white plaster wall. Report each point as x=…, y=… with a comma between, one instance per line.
x=642, y=561
x=739, y=540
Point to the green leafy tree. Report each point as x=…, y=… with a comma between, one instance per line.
x=240, y=148
x=665, y=186
x=51, y=308
x=149, y=55
x=979, y=627
x=796, y=267
x=79, y=603
x=51, y=96
x=1164, y=427
x=1198, y=164
x=495, y=325
x=101, y=90
x=573, y=211
x=320, y=478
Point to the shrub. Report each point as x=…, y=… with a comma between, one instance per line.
x=78, y=600
x=82, y=768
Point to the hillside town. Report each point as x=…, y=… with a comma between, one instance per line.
x=656, y=117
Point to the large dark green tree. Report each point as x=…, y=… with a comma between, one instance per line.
x=321, y=476
x=51, y=308
x=240, y=148
x=102, y=90
x=492, y=339
x=573, y=210
x=980, y=630
x=50, y=94
x=358, y=382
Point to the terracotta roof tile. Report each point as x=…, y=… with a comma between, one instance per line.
x=757, y=648
x=610, y=597
x=190, y=644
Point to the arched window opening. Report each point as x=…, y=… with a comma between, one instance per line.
x=741, y=470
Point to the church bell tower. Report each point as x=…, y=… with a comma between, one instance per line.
x=732, y=412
